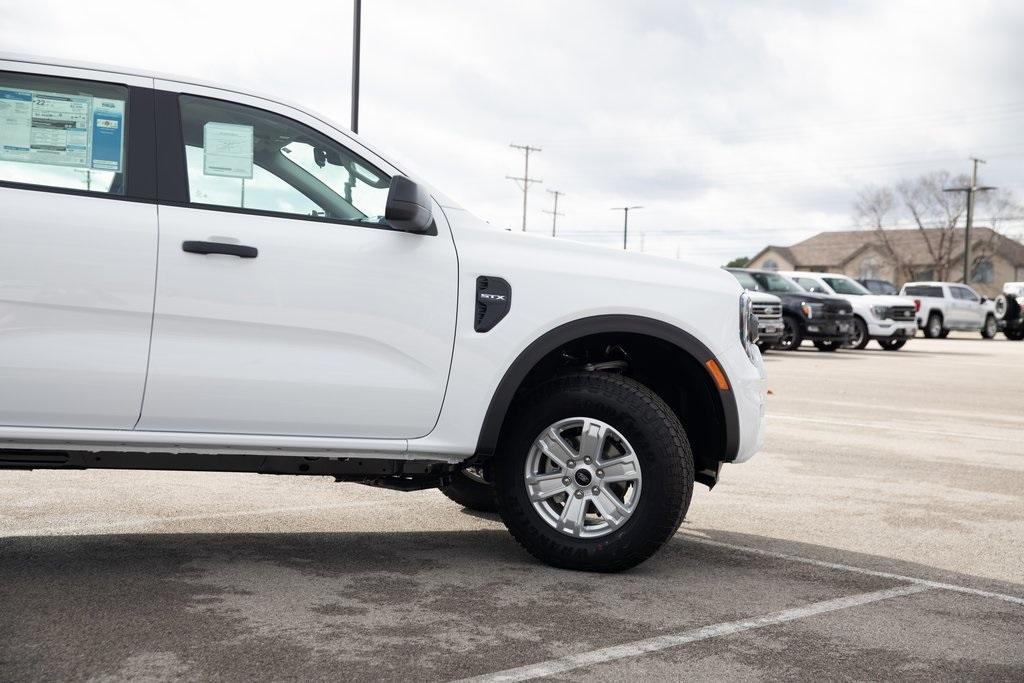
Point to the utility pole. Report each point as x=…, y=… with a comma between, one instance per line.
x=554, y=212
x=625, y=221
x=971, y=191
x=357, y=11
x=526, y=180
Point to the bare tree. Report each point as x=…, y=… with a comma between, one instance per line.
x=937, y=215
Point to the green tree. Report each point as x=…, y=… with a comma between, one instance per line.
x=738, y=262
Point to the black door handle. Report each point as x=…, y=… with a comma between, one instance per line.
x=239, y=250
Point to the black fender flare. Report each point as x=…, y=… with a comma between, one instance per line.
x=501, y=401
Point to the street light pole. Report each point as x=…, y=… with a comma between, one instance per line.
x=625, y=221
x=356, y=21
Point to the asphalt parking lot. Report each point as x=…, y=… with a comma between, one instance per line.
x=879, y=535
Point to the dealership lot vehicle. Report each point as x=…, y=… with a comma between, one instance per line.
x=889, y=320
x=945, y=306
x=879, y=286
x=827, y=321
x=239, y=285
x=768, y=309
x=1009, y=310
x=823, y=540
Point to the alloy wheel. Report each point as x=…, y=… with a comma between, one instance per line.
x=583, y=477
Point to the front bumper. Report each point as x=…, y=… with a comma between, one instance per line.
x=749, y=384
x=884, y=329
x=769, y=330
x=828, y=329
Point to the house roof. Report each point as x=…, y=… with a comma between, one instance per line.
x=836, y=248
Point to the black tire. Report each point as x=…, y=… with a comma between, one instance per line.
x=792, y=336
x=944, y=334
x=989, y=329
x=470, y=493
x=828, y=345
x=765, y=347
x=859, y=337
x=893, y=343
x=657, y=438
x=1014, y=334
x=933, y=328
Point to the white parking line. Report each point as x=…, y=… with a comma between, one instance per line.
x=639, y=647
x=859, y=570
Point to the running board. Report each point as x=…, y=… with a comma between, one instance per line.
x=405, y=475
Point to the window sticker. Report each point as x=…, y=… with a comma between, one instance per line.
x=60, y=130
x=107, y=134
x=227, y=150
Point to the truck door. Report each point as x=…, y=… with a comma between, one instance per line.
x=78, y=240
x=284, y=304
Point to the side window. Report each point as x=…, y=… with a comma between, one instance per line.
x=809, y=284
x=965, y=294
x=247, y=158
x=63, y=133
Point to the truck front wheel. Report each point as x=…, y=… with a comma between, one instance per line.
x=594, y=472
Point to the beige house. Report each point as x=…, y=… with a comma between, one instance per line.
x=903, y=255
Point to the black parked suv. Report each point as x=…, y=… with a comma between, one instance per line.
x=825, y=320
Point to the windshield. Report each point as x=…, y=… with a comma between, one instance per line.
x=844, y=285
x=745, y=280
x=774, y=283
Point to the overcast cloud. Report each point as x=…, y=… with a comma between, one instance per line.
x=734, y=124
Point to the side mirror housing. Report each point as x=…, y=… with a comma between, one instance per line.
x=409, y=207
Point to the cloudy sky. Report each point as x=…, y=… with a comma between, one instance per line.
x=734, y=124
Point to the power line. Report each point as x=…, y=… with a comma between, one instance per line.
x=526, y=180
x=554, y=211
x=971, y=191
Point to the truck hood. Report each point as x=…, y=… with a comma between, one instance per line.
x=763, y=297
x=538, y=252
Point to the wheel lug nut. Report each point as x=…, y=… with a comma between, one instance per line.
x=595, y=490
x=579, y=494
x=600, y=473
x=571, y=463
x=566, y=481
x=587, y=459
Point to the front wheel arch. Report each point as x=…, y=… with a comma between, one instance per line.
x=714, y=424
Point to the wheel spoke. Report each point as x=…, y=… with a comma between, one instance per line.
x=555, y=448
x=571, y=519
x=620, y=469
x=543, y=486
x=612, y=510
x=592, y=439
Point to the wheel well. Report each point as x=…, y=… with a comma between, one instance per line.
x=935, y=311
x=676, y=376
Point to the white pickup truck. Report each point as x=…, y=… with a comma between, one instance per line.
x=887, y=319
x=193, y=277
x=945, y=306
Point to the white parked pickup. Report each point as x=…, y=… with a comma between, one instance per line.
x=945, y=306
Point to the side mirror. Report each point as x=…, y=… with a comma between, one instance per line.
x=408, y=207
x=982, y=300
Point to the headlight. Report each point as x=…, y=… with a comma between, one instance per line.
x=880, y=312
x=811, y=310
x=748, y=321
